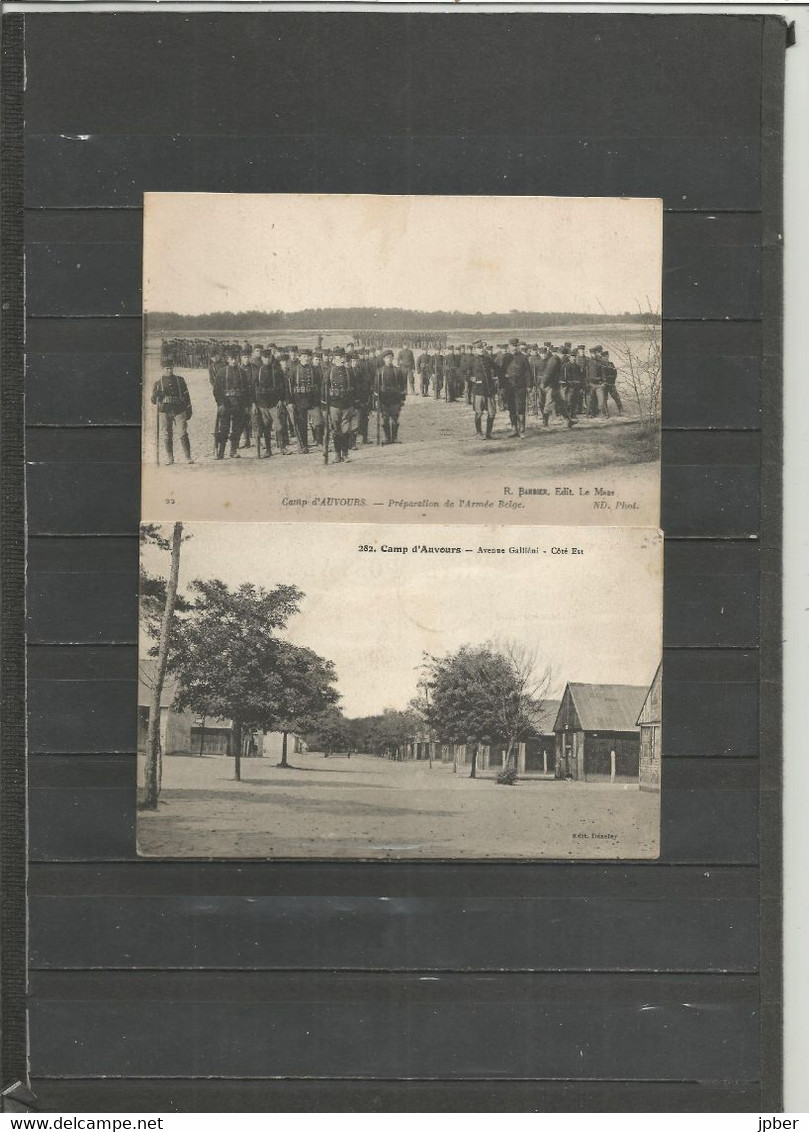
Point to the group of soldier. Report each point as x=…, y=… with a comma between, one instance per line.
x=324, y=398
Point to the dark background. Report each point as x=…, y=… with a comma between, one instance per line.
x=327, y=986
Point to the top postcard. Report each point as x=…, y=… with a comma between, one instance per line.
x=402, y=359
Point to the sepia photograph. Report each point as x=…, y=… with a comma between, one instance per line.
x=383, y=691
x=402, y=358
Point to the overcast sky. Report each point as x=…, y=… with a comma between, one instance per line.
x=595, y=617
x=208, y=252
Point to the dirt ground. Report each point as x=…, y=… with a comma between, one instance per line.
x=365, y=807
x=439, y=456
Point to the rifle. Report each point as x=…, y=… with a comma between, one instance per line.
x=378, y=407
x=257, y=427
x=157, y=436
x=291, y=419
x=327, y=431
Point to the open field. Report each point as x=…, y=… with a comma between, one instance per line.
x=365, y=807
x=439, y=455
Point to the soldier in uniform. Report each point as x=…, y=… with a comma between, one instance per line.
x=438, y=373
x=340, y=393
x=170, y=394
x=305, y=397
x=484, y=390
x=552, y=387
x=247, y=385
x=216, y=368
x=267, y=395
x=230, y=396
x=596, y=397
x=465, y=372
x=518, y=380
x=610, y=378
x=452, y=366
x=424, y=366
x=392, y=395
x=363, y=374
x=407, y=365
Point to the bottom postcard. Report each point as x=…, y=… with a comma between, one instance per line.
x=399, y=692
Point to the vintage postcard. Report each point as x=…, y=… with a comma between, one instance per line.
x=325, y=690
x=402, y=359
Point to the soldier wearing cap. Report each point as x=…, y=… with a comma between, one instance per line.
x=392, y=395
x=539, y=366
x=610, y=378
x=552, y=386
x=452, y=367
x=518, y=380
x=438, y=373
x=170, y=395
x=596, y=394
x=424, y=368
x=340, y=392
x=407, y=364
x=247, y=385
x=362, y=374
x=484, y=390
x=268, y=399
x=230, y=395
x=305, y=398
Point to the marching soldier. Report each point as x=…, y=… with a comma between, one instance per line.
x=170, y=395
x=610, y=378
x=596, y=396
x=392, y=395
x=518, y=380
x=552, y=386
x=230, y=396
x=339, y=389
x=484, y=390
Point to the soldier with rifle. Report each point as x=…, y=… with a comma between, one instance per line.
x=170, y=395
x=340, y=402
x=247, y=385
x=305, y=397
x=230, y=395
x=392, y=396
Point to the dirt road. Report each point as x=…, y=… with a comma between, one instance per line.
x=369, y=807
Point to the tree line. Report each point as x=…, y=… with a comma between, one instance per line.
x=379, y=318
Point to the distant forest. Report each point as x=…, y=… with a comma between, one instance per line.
x=381, y=318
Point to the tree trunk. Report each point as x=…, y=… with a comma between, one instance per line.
x=283, y=761
x=153, y=752
x=511, y=756
x=473, y=773
x=237, y=750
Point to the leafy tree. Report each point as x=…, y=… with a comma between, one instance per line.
x=384, y=734
x=306, y=689
x=483, y=695
x=228, y=659
x=329, y=731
